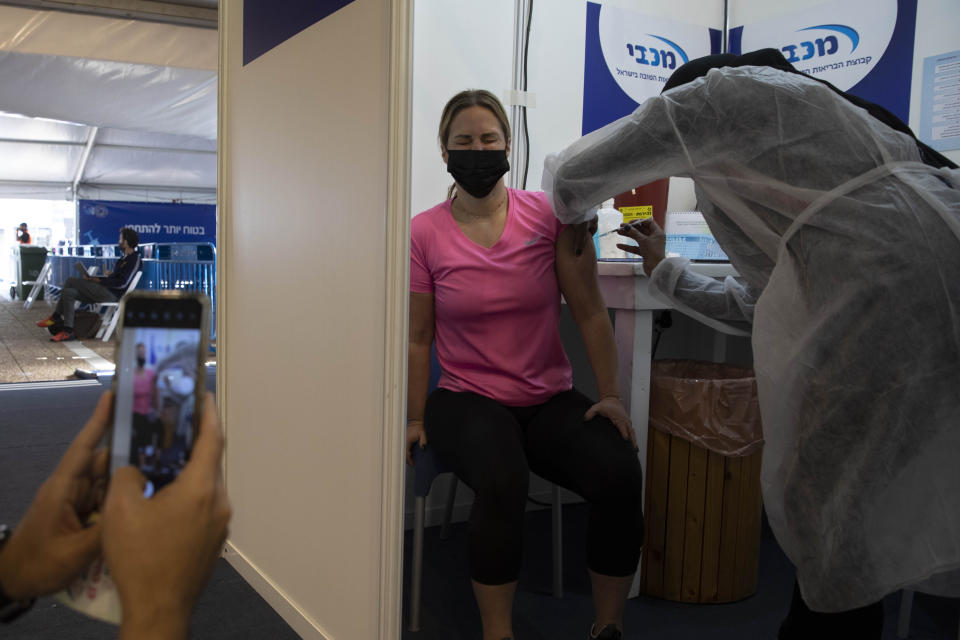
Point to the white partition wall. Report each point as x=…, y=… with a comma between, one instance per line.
x=457, y=45
x=313, y=245
x=461, y=44
x=556, y=71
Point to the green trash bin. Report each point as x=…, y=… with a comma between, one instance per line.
x=28, y=262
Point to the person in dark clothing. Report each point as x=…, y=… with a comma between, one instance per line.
x=23, y=236
x=90, y=289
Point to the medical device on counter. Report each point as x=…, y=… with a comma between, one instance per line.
x=688, y=236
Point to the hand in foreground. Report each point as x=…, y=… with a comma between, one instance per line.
x=612, y=408
x=415, y=435
x=651, y=242
x=161, y=551
x=50, y=545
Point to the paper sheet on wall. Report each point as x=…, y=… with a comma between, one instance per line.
x=940, y=110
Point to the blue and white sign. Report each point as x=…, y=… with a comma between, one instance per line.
x=100, y=221
x=861, y=46
x=940, y=102
x=630, y=56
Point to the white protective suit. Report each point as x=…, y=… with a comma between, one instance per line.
x=855, y=246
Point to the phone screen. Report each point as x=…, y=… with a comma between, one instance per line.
x=158, y=379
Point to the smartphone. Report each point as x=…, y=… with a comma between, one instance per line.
x=159, y=382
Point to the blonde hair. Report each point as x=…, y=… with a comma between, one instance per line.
x=463, y=100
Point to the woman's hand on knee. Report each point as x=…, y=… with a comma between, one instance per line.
x=611, y=407
x=415, y=434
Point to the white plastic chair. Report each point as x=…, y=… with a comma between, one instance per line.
x=37, y=285
x=112, y=313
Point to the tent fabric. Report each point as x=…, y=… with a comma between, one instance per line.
x=149, y=89
x=90, y=37
x=103, y=93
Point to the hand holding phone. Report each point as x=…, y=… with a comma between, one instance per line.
x=51, y=545
x=161, y=550
x=158, y=551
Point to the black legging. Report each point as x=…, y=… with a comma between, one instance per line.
x=493, y=448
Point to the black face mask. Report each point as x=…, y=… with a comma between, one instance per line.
x=477, y=171
x=141, y=362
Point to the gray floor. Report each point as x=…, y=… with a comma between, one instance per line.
x=37, y=424
x=27, y=355
x=449, y=612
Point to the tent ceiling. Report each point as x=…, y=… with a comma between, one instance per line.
x=102, y=107
x=196, y=13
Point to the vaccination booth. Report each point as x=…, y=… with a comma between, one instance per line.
x=563, y=69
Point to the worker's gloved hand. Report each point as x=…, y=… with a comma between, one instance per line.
x=651, y=242
x=583, y=232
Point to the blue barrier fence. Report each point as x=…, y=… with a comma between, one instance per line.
x=192, y=267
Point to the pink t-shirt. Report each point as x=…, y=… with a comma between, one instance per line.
x=497, y=310
x=143, y=391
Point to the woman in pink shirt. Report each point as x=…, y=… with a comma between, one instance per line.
x=145, y=427
x=487, y=269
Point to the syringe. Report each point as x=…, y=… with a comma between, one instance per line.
x=635, y=223
x=606, y=233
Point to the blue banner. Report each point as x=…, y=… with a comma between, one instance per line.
x=268, y=23
x=629, y=57
x=861, y=46
x=100, y=221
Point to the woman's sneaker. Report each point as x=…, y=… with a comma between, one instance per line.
x=609, y=632
x=63, y=336
x=47, y=322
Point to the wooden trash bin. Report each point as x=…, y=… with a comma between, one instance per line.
x=702, y=509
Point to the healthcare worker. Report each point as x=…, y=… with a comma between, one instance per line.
x=846, y=232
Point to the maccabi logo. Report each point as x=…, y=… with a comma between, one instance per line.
x=657, y=57
x=821, y=46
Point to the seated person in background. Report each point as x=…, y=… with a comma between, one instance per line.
x=847, y=230
x=160, y=551
x=90, y=289
x=488, y=267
